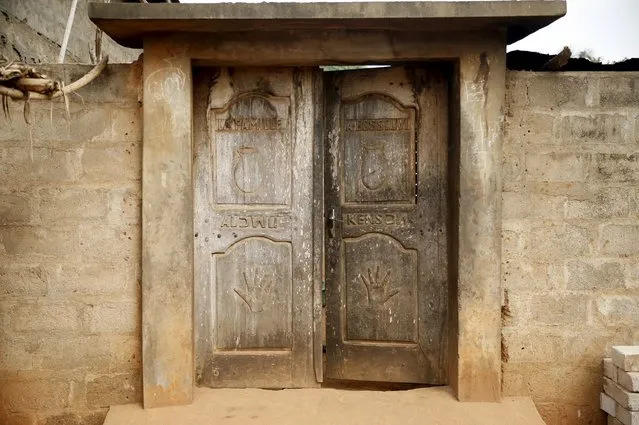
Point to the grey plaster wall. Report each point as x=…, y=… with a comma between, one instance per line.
x=32, y=30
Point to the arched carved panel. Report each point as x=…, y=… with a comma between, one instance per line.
x=253, y=282
x=252, y=151
x=379, y=150
x=381, y=289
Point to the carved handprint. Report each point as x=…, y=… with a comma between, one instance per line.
x=377, y=287
x=258, y=292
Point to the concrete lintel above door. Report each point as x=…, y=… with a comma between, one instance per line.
x=128, y=24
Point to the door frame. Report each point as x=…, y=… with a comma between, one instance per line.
x=476, y=118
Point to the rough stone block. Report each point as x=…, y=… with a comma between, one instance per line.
x=531, y=347
x=71, y=352
x=29, y=241
x=88, y=125
x=613, y=421
x=626, y=357
x=49, y=123
x=16, y=353
x=123, y=317
x=524, y=276
x=115, y=164
x=628, y=380
x=35, y=395
x=19, y=280
x=569, y=384
x=125, y=125
x=619, y=91
x=585, y=346
x=603, y=203
x=517, y=205
x=513, y=166
x=45, y=317
x=79, y=418
x=530, y=127
x=125, y=205
x=15, y=207
x=627, y=417
x=18, y=419
x=553, y=91
x=108, y=390
x=514, y=235
x=609, y=369
x=615, y=167
x=617, y=310
x=72, y=204
x=20, y=166
x=595, y=128
x=576, y=414
x=556, y=241
x=109, y=243
x=550, y=412
x=590, y=275
x=557, y=167
x=513, y=385
x=102, y=278
x=551, y=309
x=607, y=404
x=125, y=353
x=626, y=399
x=516, y=89
x=118, y=83
x=620, y=239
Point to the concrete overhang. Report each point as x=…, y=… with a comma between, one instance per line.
x=129, y=23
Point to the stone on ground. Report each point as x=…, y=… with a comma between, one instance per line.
x=626, y=357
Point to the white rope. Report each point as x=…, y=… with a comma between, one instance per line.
x=67, y=32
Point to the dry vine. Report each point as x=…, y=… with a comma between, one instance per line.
x=22, y=82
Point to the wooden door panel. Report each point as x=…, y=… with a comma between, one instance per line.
x=253, y=226
x=252, y=158
x=381, y=290
x=254, y=285
x=379, y=150
x=386, y=249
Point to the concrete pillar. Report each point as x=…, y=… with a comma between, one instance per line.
x=167, y=228
x=481, y=90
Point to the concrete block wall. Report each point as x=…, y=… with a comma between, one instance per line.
x=70, y=245
x=570, y=253
x=70, y=195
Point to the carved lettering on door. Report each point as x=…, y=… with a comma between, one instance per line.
x=381, y=289
x=252, y=151
x=257, y=221
x=386, y=219
x=379, y=150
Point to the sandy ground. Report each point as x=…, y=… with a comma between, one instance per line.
x=432, y=406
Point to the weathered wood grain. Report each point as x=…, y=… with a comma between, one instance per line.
x=387, y=286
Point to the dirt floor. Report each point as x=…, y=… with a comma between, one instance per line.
x=432, y=406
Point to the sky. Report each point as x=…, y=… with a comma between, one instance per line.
x=608, y=29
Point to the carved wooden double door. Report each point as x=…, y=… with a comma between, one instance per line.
x=307, y=179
